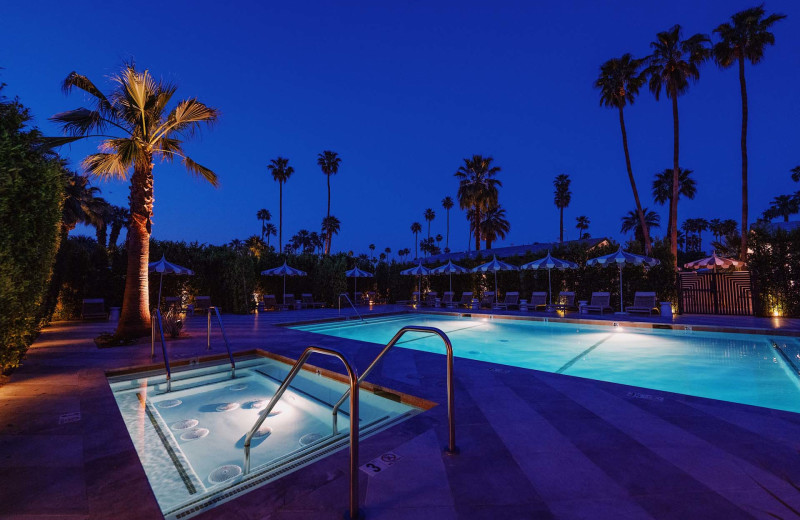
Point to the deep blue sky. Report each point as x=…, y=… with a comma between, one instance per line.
x=404, y=91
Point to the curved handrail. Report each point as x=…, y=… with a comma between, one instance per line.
x=352, y=374
x=451, y=419
x=224, y=337
x=346, y=297
x=156, y=318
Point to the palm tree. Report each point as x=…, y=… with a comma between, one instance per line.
x=697, y=226
x=416, y=227
x=582, y=224
x=744, y=38
x=135, y=129
x=270, y=230
x=619, y=83
x=237, y=245
x=255, y=245
x=80, y=202
x=672, y=65
x=631, y=222
x=429, y=215
x=388, y=251
x=119, y=219
x=263, y=215
x=477, y=189
x=662, y=187
x=439, y=239
x=372, y=250
x=782, y=206
x=281, y=171
x=562, y=198
x=330, y=227
x=329, y=162
x=447, y=204
x=316, y=242
x=494, y=225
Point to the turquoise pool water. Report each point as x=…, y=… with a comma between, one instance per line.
x=744, y=368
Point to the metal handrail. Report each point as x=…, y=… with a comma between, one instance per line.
x=224, y=337
x=155, y=318
x=352, y=374
x=451, y=418
x=346, y=297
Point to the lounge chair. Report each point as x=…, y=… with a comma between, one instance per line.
x=601, y=301
x=201, y=304
x=288, y=302
x=307, y=301
x=644, y=302
x=269, y=302
x=173, y=303
x=430, y=298
x=511, y=300
x=94, y=309
x=538, y=300
x=466, y=300
x=565, y=301
x=488, y=299
x=447, y=299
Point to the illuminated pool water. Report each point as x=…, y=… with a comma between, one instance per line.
x=760, y=370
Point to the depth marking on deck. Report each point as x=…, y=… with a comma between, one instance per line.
x=379, y=464
x=66, y=418
x=579, y=356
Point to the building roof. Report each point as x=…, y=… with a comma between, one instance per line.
x=505, y=252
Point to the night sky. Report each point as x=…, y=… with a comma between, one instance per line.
x=403, y=91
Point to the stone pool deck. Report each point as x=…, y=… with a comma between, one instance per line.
x=533, y=444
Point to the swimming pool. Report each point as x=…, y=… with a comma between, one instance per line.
x=760, y=370
x=190, y=441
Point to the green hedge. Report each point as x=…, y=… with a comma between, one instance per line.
x=775, y=272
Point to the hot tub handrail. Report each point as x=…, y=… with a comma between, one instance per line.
x=451, y=418
x=224, y=337
x=155, y=319
x=346, y=297
x=352, y=374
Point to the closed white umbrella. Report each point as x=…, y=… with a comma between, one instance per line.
x=450, y=268
x=284, y=271
x=163, y=266
x=620, y=258
x=417, y=270
x=549, y=263
x=714, y=262
x=494, y=266
x=357, y=273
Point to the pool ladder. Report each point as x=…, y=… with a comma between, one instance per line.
x=224, y=337
x=346, y=297
x=352, y=392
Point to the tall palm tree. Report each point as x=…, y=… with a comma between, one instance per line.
x=495, y=225
x=330, y=226
x=745, y=37
x=329, y=162
x=477, y=189
x=562, y=197
x=662, y=188
x=281, y=171
x=416, y=227
x=619, y=83
x=631, y=222
x=429, y=215
x=270, y=230
x=447, y=204
x=582, y=224
x=263, y=215
x=672, y=65
x=135, y=128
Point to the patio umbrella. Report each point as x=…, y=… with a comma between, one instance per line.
x=494, y=266
x=549, y=263
x=713, y=262
x=450, y=268
x=418, y=270
x=620, y=258
x=284, y=271
x=357, y=273
x=162, y=266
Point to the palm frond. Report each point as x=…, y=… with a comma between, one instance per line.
x=80, y=121
x=186, y=117
x=75, y=80
x=106, y=165
x=201, y=171
x=54, y=142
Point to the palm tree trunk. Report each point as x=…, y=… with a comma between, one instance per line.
x=477, y=229
x=561, y=225
x=280, y=217
x=416, y=243
x=134, y=320
x=447, y=240
x=645, y=231
x=743, y=252
x=329, y=195
x=673, y=203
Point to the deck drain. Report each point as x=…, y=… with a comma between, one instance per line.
x=227, y=407
x=223, y=473
x=263, y=431
x=185, y=424
x=170, y=403
x=196, y=433
x=236, y=388
x=309, y=438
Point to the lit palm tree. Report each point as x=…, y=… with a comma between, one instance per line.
x=562, y=197
x=494, y=225
x=672, y=65
x=630, y=222
x=744, y=38
x=619, y=83
x=330, y=226
x=135, y=129
x=263, y=215
x=329, y=162
x=281, y=171
x=416, y=228
x=447, y=204
x=662, y=188
x=582, y=224
x=255, y=245
x=270, y=230
x=782, y=206
x=429, y=215
x=477, y=190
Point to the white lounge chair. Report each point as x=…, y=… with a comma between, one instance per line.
x=644, y=302
x=511, y=300
x=601, y=301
